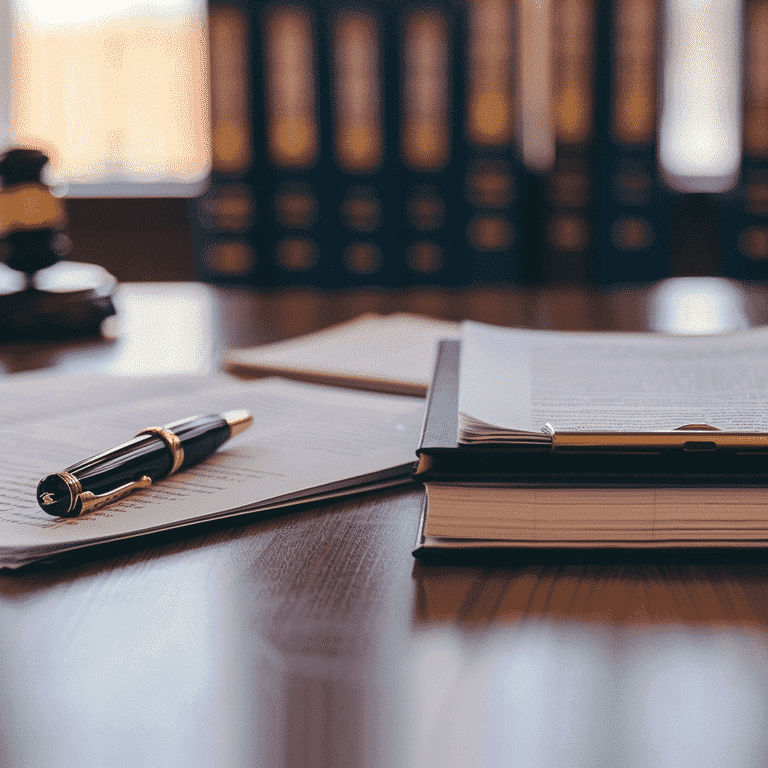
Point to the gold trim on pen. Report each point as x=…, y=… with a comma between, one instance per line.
x=81, y=502
x=91, y=501
x=171, y=440
x=238, y=421
x=73, y=487
x=68, y=488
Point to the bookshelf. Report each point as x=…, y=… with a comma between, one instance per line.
x=462, y=143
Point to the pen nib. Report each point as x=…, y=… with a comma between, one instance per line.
x=47, y=498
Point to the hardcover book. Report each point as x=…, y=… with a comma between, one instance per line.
x=493, y=189
x=535, y=438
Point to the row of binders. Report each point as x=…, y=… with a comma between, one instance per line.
x=485, y=142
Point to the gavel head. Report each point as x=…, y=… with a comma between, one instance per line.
x=19, y=166
x=31, y=218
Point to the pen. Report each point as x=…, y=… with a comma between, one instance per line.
x=153, y=454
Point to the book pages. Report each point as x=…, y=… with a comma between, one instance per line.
x=514, y=382
x=392, y=353
x=591, y=515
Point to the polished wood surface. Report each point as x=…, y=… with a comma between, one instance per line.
x=314, y=639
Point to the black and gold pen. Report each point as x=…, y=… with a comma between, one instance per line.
x=153, y=454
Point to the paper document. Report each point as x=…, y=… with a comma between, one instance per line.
x=513, y=382
x=306, y=442
x=393, y=353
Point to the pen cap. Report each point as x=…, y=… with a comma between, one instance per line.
x=60, y=493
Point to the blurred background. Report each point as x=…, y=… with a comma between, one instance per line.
x=392, y=144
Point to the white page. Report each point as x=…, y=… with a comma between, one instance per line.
x=32, y=396
x=395, y=352
x=302, y=437
x=640, y=514
x=520, y=380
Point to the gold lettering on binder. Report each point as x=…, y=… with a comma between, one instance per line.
x=490, y=75
x=230, y=124
x=292, y=131
x=425, y=127
x=634, y=99
x=573, y=43
x=358, y=141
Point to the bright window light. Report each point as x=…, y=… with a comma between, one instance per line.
x=700, y=130
x=114, y=91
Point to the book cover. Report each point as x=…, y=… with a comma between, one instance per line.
x=265, y=218
x=363, y=189
x=227, y=220
x=449, y=453
x=494, y=495
x=297, y=144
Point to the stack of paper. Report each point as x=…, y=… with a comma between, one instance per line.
x=537, y=438
x=306, y=443
x=392, y=353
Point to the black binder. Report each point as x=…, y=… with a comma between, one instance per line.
x=683, y=457
x=634, y=203
x=478, y=504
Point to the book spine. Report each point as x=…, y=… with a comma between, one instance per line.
x=492, y=185
x=297, y=145
x=227, y=219
x=569, y=226
x=745, y=210
x=362, y=189
x=431, y=158
x=535, y=126
x=634, y=201
x=263, y=218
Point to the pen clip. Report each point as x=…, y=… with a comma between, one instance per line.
x=90, y=501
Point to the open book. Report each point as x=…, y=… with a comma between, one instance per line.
x=496, y=477
x=518, y=386
x=306, y=443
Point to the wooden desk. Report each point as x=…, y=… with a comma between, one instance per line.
x=316, y=640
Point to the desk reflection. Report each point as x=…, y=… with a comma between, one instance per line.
x=636, y=665
x=159, y=328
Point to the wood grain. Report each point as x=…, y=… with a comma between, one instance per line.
x=315, y=640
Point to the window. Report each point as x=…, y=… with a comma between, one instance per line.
x=114, y=91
